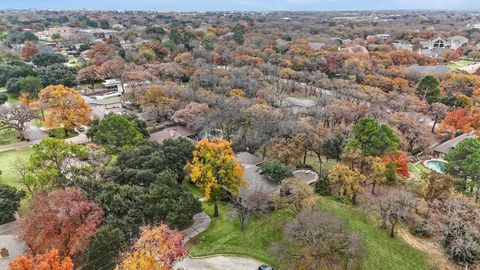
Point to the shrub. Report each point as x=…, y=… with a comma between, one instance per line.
x=9, y=202
x=322, y=186
x=422, y=229
x=3, y=99
x=275, y=171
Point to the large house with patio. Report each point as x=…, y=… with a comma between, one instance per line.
x=444, y=148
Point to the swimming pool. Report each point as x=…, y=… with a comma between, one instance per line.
x=434, y=164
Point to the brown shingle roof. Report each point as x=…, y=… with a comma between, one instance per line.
x=172, y=133
x=450, y=144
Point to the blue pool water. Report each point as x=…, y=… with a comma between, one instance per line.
x=435, y=165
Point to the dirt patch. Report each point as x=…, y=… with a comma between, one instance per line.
x=436, y=257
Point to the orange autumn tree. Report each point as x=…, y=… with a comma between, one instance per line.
x=65, y=107
x=48, y=261
x=460, y=119
x=215, y=170
x=400, y=159
x=158, y=248
x=29, y=50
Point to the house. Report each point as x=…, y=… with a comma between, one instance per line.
x=447, y=146
x=453, y=43
x=97, y=32
x=248, y=159
x=174, y=132
x=104, y=102
x=456, y=42
x=334, y=41
x=114, y=85
x=382, y=38
x=316, y=45
x=62, y=31
x=378, y=39
x=297, y=105
x=425, y=70
x=402, y=46
x=356, y=49
x=252, y=174
x=435, y=52
x=118, y=27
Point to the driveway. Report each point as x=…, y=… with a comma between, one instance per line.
x=8, y=240
x=218, y=263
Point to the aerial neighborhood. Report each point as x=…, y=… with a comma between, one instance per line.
x=264, y=140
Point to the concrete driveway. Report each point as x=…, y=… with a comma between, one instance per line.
x=218, y=263
x=8, y=240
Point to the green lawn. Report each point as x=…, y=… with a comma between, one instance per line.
x=8, y=136
x=60, y=133
x=37, y=121
x=416, y=170
x=383, y=251
x=459, y=64
x=13, y=99
x=9, y=175
x=224, y=237
x=312, y=160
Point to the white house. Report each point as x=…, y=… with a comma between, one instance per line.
x=114, y=85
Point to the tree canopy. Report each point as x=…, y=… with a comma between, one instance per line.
x=372, y=138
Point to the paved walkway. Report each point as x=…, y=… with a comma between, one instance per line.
x=201, y=221
x=8, y=240
x=80, y=139
x=16, y=146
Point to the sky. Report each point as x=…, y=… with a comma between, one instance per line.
x=242, y=5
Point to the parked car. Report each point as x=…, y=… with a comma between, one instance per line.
x=265, y=267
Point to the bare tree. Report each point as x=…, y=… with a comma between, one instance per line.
x=16, y=117
x=296, y=195
x=437, y=111
x=315, y=240
x=393, y=208
x=461, y=238
x=253, y=202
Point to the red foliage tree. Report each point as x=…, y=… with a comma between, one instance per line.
x=400, y=159
x=29, y=50
x=48, y=261
x=63, y=220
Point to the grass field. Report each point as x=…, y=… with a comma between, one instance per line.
x=312, y=160
x=60, y=133
x=383, y=252
x=224, y=237
x=13, y=99
x=9, y=175
x=459, y=64
x=8, y=136
x=417, y=170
